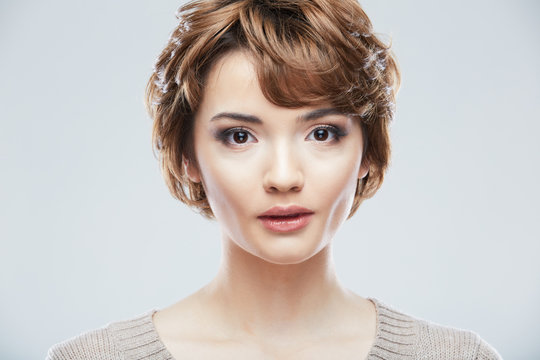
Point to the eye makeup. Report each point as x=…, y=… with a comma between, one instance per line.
x=238, y=136
x=235, y=136
x=321, y=133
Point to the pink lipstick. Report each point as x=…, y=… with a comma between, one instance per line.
x=285, y=218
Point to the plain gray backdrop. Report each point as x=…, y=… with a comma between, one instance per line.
x=89, y=233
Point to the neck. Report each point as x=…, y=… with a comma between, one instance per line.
x=265, y=299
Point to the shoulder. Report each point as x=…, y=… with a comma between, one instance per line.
x=438, y=341
x=132, y=338
x=407, y=335
x=95, y=344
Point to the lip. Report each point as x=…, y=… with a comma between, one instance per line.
x=285, y=218
x=286, y=211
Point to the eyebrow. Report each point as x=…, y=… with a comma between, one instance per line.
x=310, y=116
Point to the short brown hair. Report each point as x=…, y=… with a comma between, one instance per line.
x=305, y=52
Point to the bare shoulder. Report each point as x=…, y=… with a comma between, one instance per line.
x=95, y=344
x=443, y=342
x=188, y=329
x=197, y=322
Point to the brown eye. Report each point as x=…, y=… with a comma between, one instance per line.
x=240, y=137
x=327, y=134
x=236, y=137
x=320, y=134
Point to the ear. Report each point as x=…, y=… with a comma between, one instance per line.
x=364, y=169
x=191, y=170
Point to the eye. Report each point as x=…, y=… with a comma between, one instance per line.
x=236, y=136
x=325, y=133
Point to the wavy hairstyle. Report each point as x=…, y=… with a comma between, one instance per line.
x=305, y=52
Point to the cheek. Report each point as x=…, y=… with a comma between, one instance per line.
x=336, y=175
x=334, y=184
x=227, y=182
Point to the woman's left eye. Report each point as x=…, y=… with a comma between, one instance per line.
x=325, y=134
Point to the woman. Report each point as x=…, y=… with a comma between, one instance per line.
x=272, y=117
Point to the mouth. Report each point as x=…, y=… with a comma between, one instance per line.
x=285, y=211
x=286, y=219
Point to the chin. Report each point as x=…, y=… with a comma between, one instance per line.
x=287, y=253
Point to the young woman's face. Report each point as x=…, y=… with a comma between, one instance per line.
x=279, y=181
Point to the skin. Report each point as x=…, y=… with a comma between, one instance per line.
x=276, y=295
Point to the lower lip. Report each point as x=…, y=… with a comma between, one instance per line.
x=285, y=223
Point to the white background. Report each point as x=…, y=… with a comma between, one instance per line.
x=90, y=235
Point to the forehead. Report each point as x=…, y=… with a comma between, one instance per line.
x=232, y=85
x=231, y=80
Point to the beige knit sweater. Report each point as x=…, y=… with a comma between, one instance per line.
x=399, y=337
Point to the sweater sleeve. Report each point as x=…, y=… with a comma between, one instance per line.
x=93, y=345
x=447, y=343
x=486, y=351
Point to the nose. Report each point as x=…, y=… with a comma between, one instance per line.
x=283, y=172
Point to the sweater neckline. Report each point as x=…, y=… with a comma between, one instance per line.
x=395, y=338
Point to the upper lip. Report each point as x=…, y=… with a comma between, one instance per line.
x=286, y=211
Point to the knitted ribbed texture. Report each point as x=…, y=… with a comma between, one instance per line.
x=138, y=339
x=95, y=345
x=399, y=337
x=396, y=334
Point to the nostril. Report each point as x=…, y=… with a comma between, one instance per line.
x=283, y=173
x=277, y=188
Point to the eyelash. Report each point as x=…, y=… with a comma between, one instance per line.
x=225, y=136
x=337, y=132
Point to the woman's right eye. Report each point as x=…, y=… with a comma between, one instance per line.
x=236, y=136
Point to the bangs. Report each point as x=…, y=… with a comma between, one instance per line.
x=304, y=57
x=303, y=75
x=295, y=66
